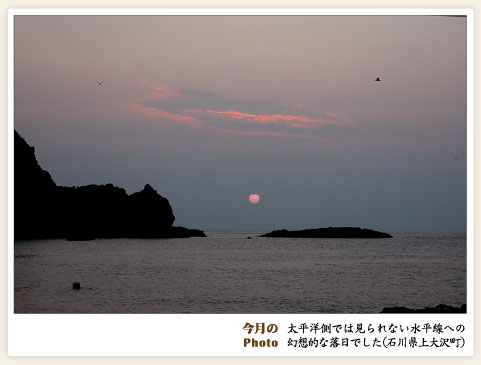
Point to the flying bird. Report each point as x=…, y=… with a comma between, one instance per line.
x=455, y=158
x=100, y=82
x=377, y=79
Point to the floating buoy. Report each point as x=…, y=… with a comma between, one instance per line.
x=76, y=286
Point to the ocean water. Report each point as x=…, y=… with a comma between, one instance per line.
x=228, y=273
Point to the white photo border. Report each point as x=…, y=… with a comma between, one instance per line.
x=218, y=334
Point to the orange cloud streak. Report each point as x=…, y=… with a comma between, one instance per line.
x=161, y=113
x=273, y=118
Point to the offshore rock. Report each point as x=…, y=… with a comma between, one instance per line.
x=330, y=232
x=44, y=210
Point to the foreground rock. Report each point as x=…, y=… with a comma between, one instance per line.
x=441, y=308
x=44, y=210
x=330, y=232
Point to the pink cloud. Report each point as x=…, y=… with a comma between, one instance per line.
x=157, y=102
x=185, y=118
x=270, y=118
x=163, y=92
x=157, y=91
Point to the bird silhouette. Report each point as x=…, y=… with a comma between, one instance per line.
x=455, y=158
x=377, y=79
x=100, y=82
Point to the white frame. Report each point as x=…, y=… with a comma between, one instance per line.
x=217, y=334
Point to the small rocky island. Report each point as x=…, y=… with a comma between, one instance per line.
x=330, y=232
x=44, y=210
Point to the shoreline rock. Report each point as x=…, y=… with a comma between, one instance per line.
x=330, y=232
x=441, y=308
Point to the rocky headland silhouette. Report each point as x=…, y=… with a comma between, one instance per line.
x=330, y=232
x=44, y=210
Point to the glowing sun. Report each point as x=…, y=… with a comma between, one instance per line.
x=254, y=198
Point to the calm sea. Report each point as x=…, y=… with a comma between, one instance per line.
x=228, y=273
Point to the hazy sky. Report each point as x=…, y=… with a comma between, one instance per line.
x=211, y=109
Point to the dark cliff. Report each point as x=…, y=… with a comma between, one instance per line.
x=44, y=210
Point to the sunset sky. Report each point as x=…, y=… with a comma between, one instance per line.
x=211, y=109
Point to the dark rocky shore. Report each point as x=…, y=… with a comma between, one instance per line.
x=441, y=308
x=44, y=210
x=330, y=232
